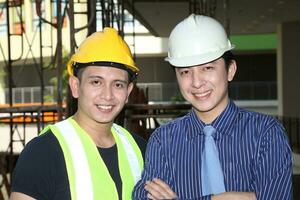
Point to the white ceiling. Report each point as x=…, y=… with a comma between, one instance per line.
x=245, y=16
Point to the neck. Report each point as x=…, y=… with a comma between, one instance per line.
x=99, y=132
x=209, y=116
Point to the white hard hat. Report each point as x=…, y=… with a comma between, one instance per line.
x=197, y=40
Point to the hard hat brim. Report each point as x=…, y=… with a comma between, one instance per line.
x=74, y=67
x=200, y=59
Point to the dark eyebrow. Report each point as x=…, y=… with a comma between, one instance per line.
x=94, y=76
x=122, y=81
x=182, y=68
x=100, y=77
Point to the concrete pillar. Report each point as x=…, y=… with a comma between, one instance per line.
x=2, y=85
x=28, y=16
x=288, y=69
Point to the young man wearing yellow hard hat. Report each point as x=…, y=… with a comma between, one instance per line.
x=218, y=150
x=87, y=156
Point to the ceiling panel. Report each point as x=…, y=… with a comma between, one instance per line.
x=245, y=16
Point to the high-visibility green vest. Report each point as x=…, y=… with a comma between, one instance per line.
x=89, y=178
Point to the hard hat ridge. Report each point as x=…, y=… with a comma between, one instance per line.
x=196, y=40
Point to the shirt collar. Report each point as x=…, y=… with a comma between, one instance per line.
x=223, y=123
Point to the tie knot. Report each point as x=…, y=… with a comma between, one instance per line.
x=209, y=130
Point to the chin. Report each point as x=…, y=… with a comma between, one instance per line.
x=204, y=108
x=104, y=121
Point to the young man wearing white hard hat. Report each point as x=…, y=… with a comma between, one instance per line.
x=87, y=156
x=217, y=150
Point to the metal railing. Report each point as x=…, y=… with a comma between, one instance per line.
x=158, y=92
x=256, y=90
x=22, y=95
x=246, y=90
x=148, y=117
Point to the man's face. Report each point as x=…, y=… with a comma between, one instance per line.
x=101, y=92
x=205, y=87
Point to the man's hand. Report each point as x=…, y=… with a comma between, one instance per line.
x=235, y=196
x=157, y=189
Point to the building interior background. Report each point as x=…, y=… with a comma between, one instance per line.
x=37, y=38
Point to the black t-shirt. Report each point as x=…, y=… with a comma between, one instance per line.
x=41, y=171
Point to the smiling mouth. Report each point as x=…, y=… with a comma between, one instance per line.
x=104, y=107
x=202, y=95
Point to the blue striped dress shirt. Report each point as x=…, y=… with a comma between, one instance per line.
x=254, y=153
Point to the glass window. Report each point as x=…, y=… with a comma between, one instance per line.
x=3, y=26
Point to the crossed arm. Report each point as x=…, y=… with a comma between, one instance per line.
x=272, y=173
x=157, y=189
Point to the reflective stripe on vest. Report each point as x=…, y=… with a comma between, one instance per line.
x=131, y=156
x=87, y=173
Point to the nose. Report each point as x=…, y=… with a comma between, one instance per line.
x=106, y=93
x=198, y=78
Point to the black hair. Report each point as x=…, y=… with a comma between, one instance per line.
x=228, y=58
x=78, y=66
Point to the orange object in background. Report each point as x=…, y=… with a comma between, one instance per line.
x=45, y=117
x=29, y=113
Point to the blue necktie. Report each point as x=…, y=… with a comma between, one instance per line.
x=212, y=175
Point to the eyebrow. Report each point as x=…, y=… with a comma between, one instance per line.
x=116, y=80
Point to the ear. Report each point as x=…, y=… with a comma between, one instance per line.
x=231, y=70
x=74, y=86
x=129, y=89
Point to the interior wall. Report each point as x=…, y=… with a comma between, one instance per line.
x=155, y=69
x=256, y=67
x=254, y=80
x=253, y=66
x=28, y=76
x=289, y=68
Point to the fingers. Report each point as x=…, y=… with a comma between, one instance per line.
x=149, y=196
x=235, y=196
x=159, y=190
x=155, y=191
x=252, y=196
x=165, y=187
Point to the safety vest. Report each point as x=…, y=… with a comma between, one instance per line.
x=89, y=178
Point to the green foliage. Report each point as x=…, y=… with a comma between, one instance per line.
x=53, y=80
x=2, y=84
x=177, y=98
x=2, y=77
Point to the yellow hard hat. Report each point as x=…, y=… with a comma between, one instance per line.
x=104, y=48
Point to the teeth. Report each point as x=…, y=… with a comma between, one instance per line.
x=202, y=94
x=104, y=107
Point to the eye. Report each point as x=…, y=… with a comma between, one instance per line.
x=184, y=72
x=120, y=85
x=208, y=68
x=95, y=82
